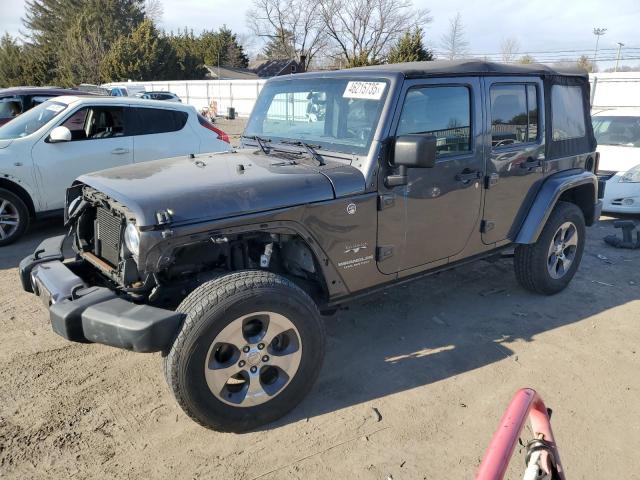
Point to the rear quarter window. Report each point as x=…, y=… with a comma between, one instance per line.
x=567, y=112
x=157, y=120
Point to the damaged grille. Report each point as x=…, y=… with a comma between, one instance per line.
x=108, y=236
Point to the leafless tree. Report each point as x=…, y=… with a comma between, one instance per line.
x=292, y=26
x=453, y=43
x=509, y=48
x=154, y=10
x=362, y=31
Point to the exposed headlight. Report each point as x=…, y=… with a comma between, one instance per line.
x=132, y=239
x=632, y=175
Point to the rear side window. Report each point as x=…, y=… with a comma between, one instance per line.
x=444, y=112
x=567, y=112
x=10, y=107
x=514, y=114
x=156, y=120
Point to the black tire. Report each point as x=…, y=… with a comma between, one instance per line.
x=14, y=206
x=531, y=261
x=208, y=310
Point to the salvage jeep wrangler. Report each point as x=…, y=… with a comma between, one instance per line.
x=346, y=182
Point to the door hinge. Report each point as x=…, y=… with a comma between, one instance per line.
x=386, y=201
x=491, y=180
x=383, y=252
x=487, y=226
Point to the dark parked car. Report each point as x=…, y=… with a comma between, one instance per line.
x=17, y=100
x=227, y=262
x=168, y=96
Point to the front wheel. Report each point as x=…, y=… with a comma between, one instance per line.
x=14, y=217
x=548, y=265
x=249, y=350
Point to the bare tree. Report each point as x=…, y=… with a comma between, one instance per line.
x=509, y=48
x=154, y=10
x=291, y=26
x=453, y=42
x=364, y=30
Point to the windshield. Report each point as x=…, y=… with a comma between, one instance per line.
x=623, y=131
x=336, y=114
x=31, y=121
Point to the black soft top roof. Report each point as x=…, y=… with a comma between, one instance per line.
x=468, y=67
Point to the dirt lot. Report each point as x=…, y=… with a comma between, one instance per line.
x=438, y=359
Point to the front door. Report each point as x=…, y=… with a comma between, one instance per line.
x=516, y=158
x=433, y=216
x=99, y=140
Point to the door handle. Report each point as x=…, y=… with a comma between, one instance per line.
x=467, y=175
x=119, y=151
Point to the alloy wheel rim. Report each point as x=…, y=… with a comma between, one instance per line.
x=9, y=219
x=253, y=359
x=562, y=251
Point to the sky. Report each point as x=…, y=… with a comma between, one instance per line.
x=537, y=25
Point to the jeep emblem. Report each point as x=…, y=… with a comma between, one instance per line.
x=351, y=208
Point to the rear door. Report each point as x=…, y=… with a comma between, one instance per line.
x=99, y=140
x=516, y=156
x=162, y=133
x=433, y=216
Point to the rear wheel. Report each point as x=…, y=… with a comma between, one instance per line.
x=548, y=265
x=249, y=350
x=14, y=217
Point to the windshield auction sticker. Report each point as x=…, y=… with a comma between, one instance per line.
x=366, y=90
x=55, y=107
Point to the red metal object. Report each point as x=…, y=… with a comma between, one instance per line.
x=208, y=125
x=526, y=403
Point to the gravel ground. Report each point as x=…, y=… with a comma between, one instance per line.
x=413, y=386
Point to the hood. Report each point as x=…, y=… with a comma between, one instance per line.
x=5, y=143
x=615, y=158
x=216, y=186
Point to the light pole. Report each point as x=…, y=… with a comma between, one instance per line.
x=598, y=32
x=620, y=45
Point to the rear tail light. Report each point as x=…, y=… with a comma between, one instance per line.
x=209, y=126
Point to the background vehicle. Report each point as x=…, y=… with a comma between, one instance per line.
x=45, y=149
x=618, y=135
x=225, y=262
x=17, y=100
x=167, y=96
x=130, y=91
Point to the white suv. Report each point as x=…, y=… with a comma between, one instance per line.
x=45, y=149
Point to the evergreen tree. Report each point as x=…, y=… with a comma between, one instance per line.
x=190, y=61
x=144, y=55
x=58, y=27
x=11, y=62
x=410, y=48
x=280, y=46
x=223, y=47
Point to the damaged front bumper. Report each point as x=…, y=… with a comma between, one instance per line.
x=80, y=312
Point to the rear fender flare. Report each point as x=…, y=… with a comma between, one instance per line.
x=548, y=196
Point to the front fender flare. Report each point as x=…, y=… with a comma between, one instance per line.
x=547, y=197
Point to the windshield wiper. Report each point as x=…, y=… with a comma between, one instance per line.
x=310, y=148
x=261, y=142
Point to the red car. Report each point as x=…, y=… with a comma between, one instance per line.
x=17, y=100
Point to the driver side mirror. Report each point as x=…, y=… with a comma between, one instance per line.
x=60, y=134
x=411, y=151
